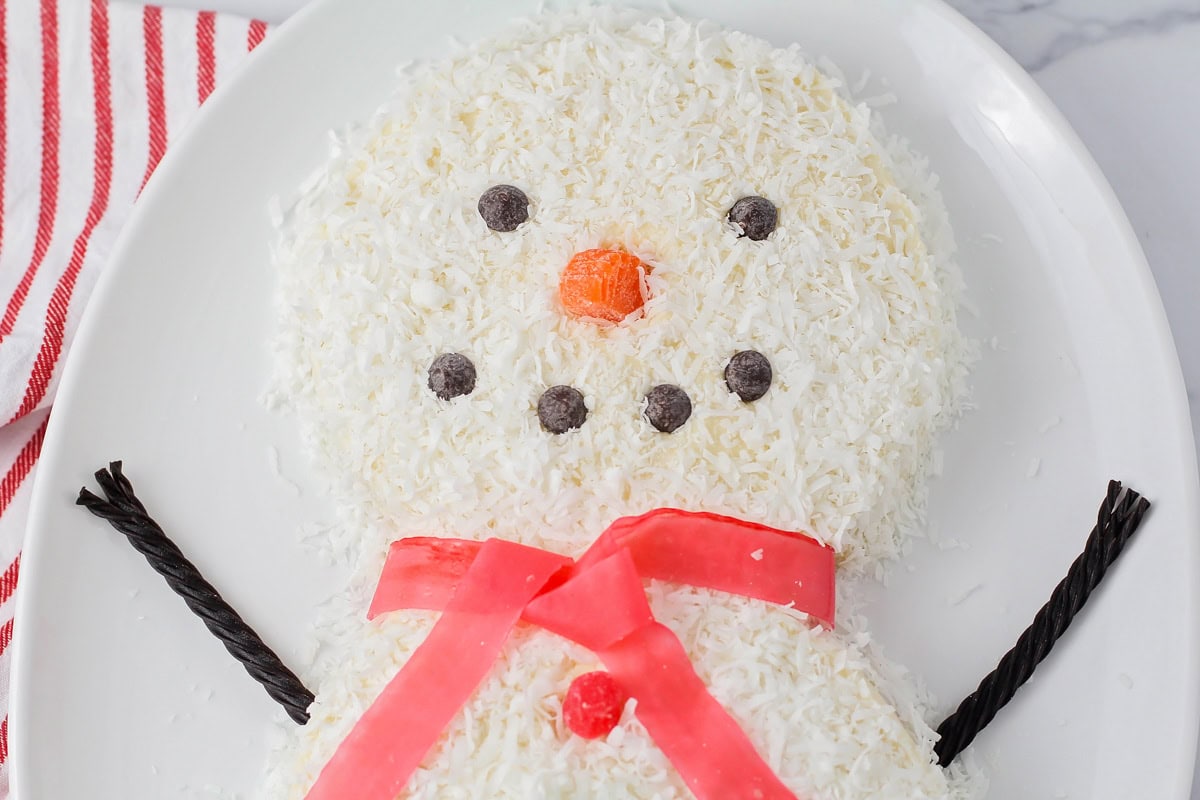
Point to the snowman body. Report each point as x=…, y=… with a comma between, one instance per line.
x=635, y=135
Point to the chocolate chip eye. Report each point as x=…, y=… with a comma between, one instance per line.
x=667, y=407
x=503, y=207
x=756, y=216
x=561, y=408
x=451, y=375
x=748, y=375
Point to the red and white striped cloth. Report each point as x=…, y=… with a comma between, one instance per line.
x=91, y=93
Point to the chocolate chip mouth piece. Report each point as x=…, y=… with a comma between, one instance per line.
x=503, y=207
x=667, y=407
x=451, y=375
x=561, y=408
x=756, y=216
x=748, y=374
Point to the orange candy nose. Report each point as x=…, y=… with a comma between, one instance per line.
x=602, y=284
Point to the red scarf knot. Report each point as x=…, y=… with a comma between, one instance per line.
x=598, y=601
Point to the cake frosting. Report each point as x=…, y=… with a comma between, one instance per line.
x=637, y=135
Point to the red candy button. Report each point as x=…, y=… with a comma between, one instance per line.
x=593, y=705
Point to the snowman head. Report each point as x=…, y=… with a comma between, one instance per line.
x=672, y=284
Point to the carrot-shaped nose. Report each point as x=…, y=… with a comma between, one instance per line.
x=602, y=284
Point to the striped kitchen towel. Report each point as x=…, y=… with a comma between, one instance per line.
x=91, y=95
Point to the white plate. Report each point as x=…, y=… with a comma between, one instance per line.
x=120, y=693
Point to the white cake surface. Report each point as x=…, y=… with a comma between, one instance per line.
x=637, y=133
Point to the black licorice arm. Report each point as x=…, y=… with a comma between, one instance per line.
x=1118, y=519
x=1116, y=522
x=126, y=513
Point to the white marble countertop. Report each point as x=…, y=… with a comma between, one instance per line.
x=1126, y=73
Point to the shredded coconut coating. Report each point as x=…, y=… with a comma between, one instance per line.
x=809, y=700
x=636, y=133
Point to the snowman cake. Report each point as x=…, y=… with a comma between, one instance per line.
x=619, y=339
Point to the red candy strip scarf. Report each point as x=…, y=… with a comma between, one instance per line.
x=484, y=588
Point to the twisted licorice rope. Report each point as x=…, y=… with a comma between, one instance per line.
x=1116, y=522
x=127, y=514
